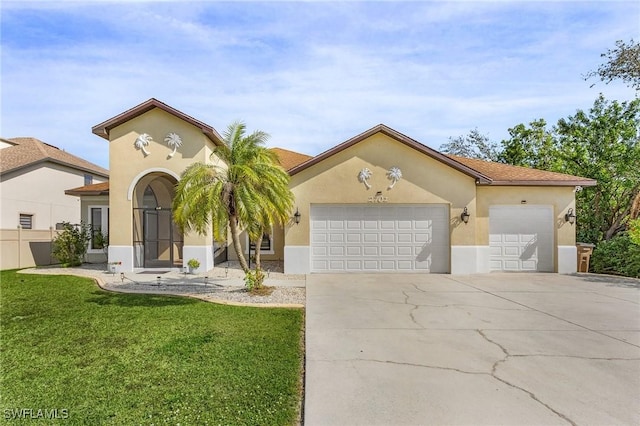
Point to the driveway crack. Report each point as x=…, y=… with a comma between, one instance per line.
x=533, y=396
x=412, y=311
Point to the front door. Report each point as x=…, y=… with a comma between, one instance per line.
x=162, y=240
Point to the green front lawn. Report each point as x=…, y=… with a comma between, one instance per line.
x=109, y=358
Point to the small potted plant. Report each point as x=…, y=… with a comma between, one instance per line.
x=193, y=265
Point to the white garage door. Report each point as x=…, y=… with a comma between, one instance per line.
x=521, y=238
x=379, y=237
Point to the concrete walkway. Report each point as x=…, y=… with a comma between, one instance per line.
x=468, y=350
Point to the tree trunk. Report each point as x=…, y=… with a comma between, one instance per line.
x=258, y=245
x=235, y=237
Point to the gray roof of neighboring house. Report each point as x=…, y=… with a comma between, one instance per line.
x=29, y=151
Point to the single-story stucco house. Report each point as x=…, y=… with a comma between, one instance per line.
x=378, y=202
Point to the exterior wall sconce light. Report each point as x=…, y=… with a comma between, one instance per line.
x=570, y=217
x=464, y=216
x=296, y=216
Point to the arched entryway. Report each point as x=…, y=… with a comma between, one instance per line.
x=157, y=240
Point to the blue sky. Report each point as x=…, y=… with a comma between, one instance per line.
x=312, y=74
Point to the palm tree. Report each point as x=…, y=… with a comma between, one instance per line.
x=249, y=191
x=174, y=141
x=142, y=141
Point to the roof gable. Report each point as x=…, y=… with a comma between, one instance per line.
x=30, y=151
x=399, y=137
x=105, y=127
x=484, y=172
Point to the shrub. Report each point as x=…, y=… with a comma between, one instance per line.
x=253, y=279
x=619, y=255
x=70, y=246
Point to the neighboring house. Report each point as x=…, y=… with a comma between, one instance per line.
x=377, y=202
x=33, y=178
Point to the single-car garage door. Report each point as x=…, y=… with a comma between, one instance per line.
x=521, y=238
x=380, y=237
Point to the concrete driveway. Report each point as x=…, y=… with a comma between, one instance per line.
x=474, y=349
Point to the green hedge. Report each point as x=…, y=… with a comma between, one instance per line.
x=618, y=256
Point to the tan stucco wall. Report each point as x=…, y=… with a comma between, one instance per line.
x=561, y=198
x=424, y=180
x=127, y=163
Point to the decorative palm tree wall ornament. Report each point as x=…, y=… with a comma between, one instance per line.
x=174, y=141
x=364, y=176
x=142, y=141
x=394, y=175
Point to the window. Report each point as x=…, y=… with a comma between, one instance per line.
x=266, y=246
x=99, y=222
x=26, y=221
x=88, y=180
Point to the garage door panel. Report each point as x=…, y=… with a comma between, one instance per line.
x=319, y=238
x=337, y=264
x=380, y=238
x=521, y=238
x=320, y=250
x=371, y=238
x=404, y=237
x=336, y=251
x=336, y=224
x=387, y=224
x=387, y=251
x=388, y=265
x=387, y=237
x=337, y=238
x=354, y=224
x=353, y=238
x=353, y=250
x=370, y=224
x=371, y=250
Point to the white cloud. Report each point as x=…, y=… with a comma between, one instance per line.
x=311, y=74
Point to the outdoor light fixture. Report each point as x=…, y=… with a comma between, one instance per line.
x=122, y=276
x=296, y=216
x=158, y=278
x=570, y=217
x=464, y=216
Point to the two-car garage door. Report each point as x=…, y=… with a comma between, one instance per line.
x=380, y=237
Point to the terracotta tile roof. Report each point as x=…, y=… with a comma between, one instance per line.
x=101, y=188
x=290, y=159
x=28, y=151
x=505, y=174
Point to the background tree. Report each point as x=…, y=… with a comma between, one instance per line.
x=533, y=146
x=472, y=145
x=249, y=190
x=603, y=144
x=622, y=63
